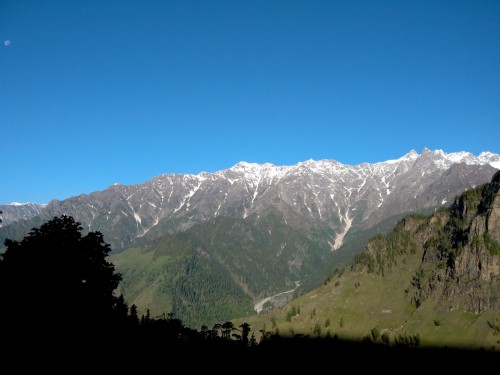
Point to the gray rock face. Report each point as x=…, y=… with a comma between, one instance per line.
x=473, y=275
x=19, y=211
x=458, y=250
x=313, y=195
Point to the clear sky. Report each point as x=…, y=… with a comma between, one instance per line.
x=98, y=92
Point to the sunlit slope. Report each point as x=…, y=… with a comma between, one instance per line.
x=351, y=305
x=433, y=281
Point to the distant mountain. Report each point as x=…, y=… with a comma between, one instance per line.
x=291, y=223
x=341, y=198
x=19, y=211
x=434, y=280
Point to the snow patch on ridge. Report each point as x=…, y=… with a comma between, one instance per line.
x=347, y=222
x=18, y=204
x=411, y=156
x=485, y=157
x=137, y=218
x=185, y=200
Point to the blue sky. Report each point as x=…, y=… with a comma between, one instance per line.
x=98, y=92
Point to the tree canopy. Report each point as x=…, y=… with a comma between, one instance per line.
x=56, y=276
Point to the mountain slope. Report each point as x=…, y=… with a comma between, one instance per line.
x=344, y=198
x=191, y=273
x=434, y=280
x=171, y=276
x=19, y=211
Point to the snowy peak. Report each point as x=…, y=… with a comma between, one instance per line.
x=487, y=157
x=251, y=169
x=255, y=171
x=244, y=166
x=15, y=211
x=438, y=157
x=323, y=193
x=409, y=157
x=444, y=160
x=29, y=204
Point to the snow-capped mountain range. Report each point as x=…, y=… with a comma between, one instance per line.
x=337, y=197
x=19, y=211
x=231, y=238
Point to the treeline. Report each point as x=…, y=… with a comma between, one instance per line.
x=58, y=304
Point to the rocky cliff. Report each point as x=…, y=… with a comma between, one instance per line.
x=460, y=252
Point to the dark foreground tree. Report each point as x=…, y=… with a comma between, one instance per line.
x=57, y=281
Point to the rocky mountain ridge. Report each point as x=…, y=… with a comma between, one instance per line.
x=459, y=248
x=15, y=211
x=325, y=195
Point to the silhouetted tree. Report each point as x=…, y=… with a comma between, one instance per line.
x=205, y=331
x=245, y=331
x=217, y=329
x=227, y=327
x=133, y=314
x=58, y=280
x=264, y=335
x=146, y=319
x=253, y=340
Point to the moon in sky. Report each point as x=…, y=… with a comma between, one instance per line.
x=7, y=43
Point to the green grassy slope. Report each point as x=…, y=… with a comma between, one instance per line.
x=353, y=304
x=433, y=281
x=217, y=270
